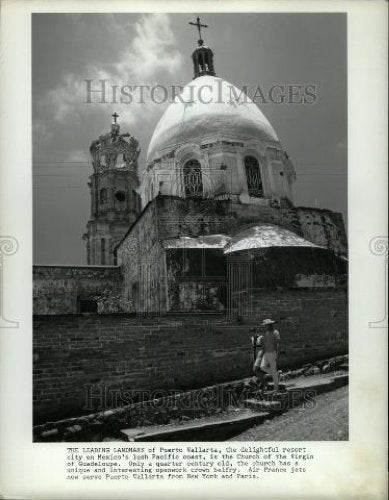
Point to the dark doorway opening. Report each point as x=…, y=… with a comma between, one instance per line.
x=87, y=306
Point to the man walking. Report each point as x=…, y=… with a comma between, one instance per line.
x=258, y=344
x=269, y=349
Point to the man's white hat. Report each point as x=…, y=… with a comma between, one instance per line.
x=268, y=322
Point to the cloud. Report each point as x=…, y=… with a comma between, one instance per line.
x=151, y=54
x=153, y=48
x=78, y=156
x=64, y=100
x=41, y=131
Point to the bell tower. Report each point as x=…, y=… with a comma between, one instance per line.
x=115, y=202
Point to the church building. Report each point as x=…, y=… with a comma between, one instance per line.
x=211, y=225
x=219, y=222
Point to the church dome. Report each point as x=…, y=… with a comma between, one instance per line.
x=209, y=107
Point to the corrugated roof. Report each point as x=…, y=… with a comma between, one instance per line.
x=266, y=236
x=207, y=241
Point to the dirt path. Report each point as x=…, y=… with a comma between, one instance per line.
x=324, y=419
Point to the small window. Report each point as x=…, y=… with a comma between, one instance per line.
x=193, y=181
x=87, y=306
x=120, y=196
x=103, y=196
x=253, y=175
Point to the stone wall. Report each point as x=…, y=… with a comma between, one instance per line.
x=151, y=285
x=197, y=279
x=142, y=261
x=324, y=228
x=194, y=217
x=287, y=267
x=60, y=289
x=76, y=355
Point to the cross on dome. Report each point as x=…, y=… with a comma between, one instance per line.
x=199, y=26
x=115, y=116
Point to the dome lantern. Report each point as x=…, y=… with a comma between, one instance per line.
x=203, y=61
x=203, y=56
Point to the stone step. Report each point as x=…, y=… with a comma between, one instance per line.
x=218, y=430
x=274, y=396
x=294, y=395
x=340, y=380
x=281, y=386
x=317, y=386
x=263, y=405
x=226, y=427
x=308, y=384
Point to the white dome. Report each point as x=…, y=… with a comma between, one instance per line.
x=209, y=106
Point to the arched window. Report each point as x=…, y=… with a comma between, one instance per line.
x=103, y=196
x=120, y=161
x=192, y=179
x=253, y=175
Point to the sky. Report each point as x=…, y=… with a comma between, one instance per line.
x=155, y=49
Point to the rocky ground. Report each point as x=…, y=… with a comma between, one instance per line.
x=324, y=419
